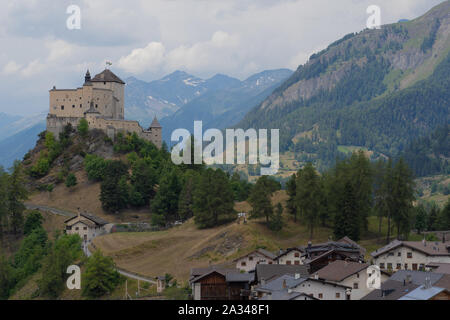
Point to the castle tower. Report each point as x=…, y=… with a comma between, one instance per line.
x=156, y=130
x=108, y=80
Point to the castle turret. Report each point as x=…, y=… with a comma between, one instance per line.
x=87, y=77
x=156, y=130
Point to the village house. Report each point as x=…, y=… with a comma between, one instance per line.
x=87, y=226
x=320, y=255
x=413, y=285
x=291, y=256
x=349, y=274
x=267, y=272
x=248, y=262
x=217, y=283
x=411, y=255
x=286, y=285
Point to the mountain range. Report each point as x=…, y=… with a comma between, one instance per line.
x=377, y=89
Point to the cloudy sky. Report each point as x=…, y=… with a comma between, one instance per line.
x=152, y=38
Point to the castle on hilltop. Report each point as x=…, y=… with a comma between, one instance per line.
x=101, y=102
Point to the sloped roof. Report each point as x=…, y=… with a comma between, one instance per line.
x=444, y=282
x=269, y=271
x=155, y=124
x=429, y=248
x=350, y=241
x=107, y=76
x=440, y=267
x=340, y=270
x=285, y=295
x=422, y=293
x=417, y=277
x=391, y=290
x=261, y=251
x=237, y=276
x=91, y=217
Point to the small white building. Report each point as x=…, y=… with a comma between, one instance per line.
x=292, y=256
x=87, y=226
x=350, y=274
x=313, y=288
x=411, y=255
x=249, y=262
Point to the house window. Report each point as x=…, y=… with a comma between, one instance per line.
x=406, y=266
x=77, y=228
x=389, y=266
x=297, y=262
x=62, y=107
x=320, y=295
x=399, y=266
x=355, y=285
x=85, y=228
x=270, y=262
x=250, y=258
x=338, y=295
x=297, y=255
x=399, y=254
x=409, y=255
x=381, y=265
x=68, y=228
x=390, y=254
x=357, y=275
x=288, y=262
x=243, y=263
x=414, y=266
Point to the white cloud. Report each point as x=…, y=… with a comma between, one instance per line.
x=143, y=59
x=33, y=68
x=11, y=68
x=202, y=56
x=60, y=49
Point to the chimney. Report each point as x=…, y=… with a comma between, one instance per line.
x=289, y=290
x=297, y=276
x=78, y=212
x=316, y=276
x=284, y=284
x=408, y=279
x=427, y=283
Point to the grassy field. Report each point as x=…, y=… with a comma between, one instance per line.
x=177, y=250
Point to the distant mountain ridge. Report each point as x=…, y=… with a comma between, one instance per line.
x=223, y=107
x=162, y=98
x=376, y=89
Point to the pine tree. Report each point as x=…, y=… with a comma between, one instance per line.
x=213, y=199
x=144, y=179
x=276, y=223
x=291, y=188
x=165, y=202
x=186, y=201
x=347, y=220
x=100, y=277
x=308, y=196
x=260, y=200
x=421, y=219
x=17, y=193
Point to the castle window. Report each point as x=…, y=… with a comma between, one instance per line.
x=62, y=107
x=73, y=106
x=81, y=106
x=96, y=105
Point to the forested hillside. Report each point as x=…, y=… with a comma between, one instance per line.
x=377, y=89
x=430, y=154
